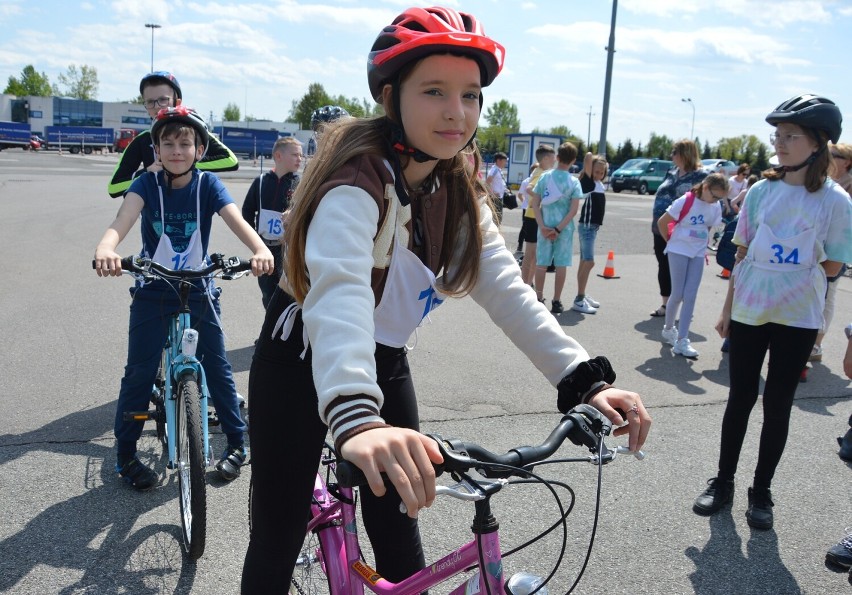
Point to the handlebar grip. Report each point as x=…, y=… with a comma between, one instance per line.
x=127, y=264
x=349, y=475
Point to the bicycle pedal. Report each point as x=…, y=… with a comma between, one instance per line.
x=212, y=418
x=139, y=415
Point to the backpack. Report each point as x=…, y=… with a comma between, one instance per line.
x=727, y=250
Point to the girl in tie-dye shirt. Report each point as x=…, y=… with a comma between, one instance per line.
x=795, y=229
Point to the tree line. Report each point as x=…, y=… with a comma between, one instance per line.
x=77, y=83
x=501, y=117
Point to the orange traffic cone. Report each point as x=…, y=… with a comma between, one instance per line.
x=609, y=269
x=726, y=274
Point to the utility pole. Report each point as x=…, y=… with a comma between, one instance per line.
x=152, y=26
x=589, y=130
x=610, y=48
x=692, y=104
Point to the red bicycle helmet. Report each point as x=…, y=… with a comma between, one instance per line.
x=420, y=32
x=184, y=115
x=810, y=111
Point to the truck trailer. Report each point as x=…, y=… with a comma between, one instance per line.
x=15, y=135
x=248, y=141
x=79, y=139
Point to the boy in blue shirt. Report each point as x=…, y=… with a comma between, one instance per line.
x=176, y=206
x=555, y=201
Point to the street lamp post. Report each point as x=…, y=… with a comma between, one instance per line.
x=692, y=104
x=152, y=26
x=610, y=52
x=589, y=130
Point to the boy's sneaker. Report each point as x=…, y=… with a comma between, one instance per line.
x=592, y=302
x=718, y=493
x=230, y=463
x=584, y=307
x=556, y=307
x=845, y=444
x=670, y=335
x=682, y=347
x=759, y=513
x=139, y=476
x=839, y=556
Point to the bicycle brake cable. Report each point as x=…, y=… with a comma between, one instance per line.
x=597, y=515
x=564, y=524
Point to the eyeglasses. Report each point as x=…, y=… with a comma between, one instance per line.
x=838, y=156
x=784, y=139
x=159, y=102
x=716, y=196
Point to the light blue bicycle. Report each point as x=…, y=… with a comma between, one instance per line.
x=180, y=393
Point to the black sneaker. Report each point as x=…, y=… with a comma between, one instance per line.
x=230, y=463
x=845, y=444
x=839, y=556
x=556, y=307
x=139, y=476
x=719, y=492
x=759, y=513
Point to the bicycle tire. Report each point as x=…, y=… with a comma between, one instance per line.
x=309, y=576
x=190, y=466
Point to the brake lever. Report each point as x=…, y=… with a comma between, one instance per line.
x=607, y=454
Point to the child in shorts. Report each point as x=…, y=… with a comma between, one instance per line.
x=555, y=201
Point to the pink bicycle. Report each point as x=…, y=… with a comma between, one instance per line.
x=331, y=560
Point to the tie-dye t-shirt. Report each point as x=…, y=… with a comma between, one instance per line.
x=780, y=279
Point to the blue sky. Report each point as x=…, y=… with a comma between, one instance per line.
x=736, y=59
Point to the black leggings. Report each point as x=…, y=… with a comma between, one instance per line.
x=286, y=441
x=789, y=348
x=664, y=276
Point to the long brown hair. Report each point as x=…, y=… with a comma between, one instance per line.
x=818, y=169
x=346, y=139
x=689, y=152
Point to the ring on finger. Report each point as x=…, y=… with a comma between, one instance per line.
x=634, y=409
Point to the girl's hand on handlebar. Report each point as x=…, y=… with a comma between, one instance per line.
x=262, y=262
x=636, y=418
x=404, y=455
x=107, y=263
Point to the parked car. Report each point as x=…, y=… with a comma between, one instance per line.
x=641, y=175
x=36, y=142
x=722, y=166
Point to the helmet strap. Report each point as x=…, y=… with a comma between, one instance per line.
x=805, y=163
x=398, y=132
x=170, y=176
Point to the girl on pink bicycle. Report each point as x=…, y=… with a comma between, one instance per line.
x=388, y=222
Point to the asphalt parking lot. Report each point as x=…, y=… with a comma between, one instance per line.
x=70, y=526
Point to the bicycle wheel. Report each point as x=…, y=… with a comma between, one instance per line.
x=309, y=575
x=190, y=467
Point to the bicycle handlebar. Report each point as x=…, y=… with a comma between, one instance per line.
x=230, y=267
x=584, y=426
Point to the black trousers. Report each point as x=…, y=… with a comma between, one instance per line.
x=286, y=442
x=664, y=276
x=789, y=348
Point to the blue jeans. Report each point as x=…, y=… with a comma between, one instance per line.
x=587, y=232
x=147, y=334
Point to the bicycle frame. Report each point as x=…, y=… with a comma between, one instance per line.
x=335, y=523
x=177, y=363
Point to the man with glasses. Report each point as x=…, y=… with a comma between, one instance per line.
x=160, y=90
